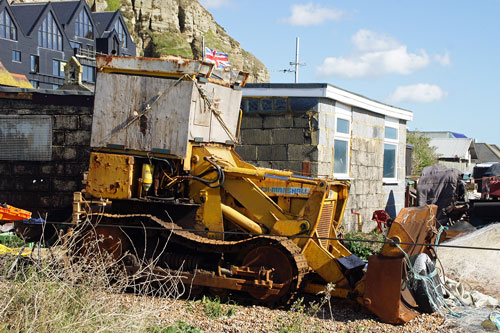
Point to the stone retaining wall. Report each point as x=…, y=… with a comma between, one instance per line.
x=46, y=187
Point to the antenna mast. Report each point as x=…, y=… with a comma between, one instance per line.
x=296, y=64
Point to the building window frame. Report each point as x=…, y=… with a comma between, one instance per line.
x=49, y=35
x=88, y=74
x=58, y=67
x=343, y=113
x=122, y=33
x=83, y=25
x=390, y=147
x=34, y=63
x=8, y=29
x=16, y=56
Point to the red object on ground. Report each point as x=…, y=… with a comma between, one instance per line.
x=494, y=187
x=381, y=217
x=10, y=213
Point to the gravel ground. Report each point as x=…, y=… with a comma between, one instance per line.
x=477, y=269
x=347, y=317
x=470, y=266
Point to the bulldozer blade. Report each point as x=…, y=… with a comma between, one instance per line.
x=383, y=294
x=412, y=227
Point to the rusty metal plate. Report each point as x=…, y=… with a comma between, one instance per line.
x=110, y=176
x=155, y=66
x=383, y=294
x=412, y=225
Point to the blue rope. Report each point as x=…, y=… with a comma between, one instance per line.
x=33, y=221
x=440, y=231
x=437, y=302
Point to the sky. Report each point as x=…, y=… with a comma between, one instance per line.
x=438, y=59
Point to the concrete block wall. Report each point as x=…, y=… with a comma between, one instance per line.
x=284, y=138
x=325, y=137
x=366, y=166
x=368, y=191
x=46, y=187
x=279, y=133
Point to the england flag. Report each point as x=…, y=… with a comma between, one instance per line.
x=220, y=59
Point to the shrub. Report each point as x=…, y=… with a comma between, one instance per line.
x=363, y=249
x=178, y=327
x=214, y=308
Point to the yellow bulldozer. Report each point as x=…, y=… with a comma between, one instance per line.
x=164, y=175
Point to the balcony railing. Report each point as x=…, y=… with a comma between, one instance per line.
x=86, y=53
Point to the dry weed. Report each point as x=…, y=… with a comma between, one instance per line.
x=67, y=288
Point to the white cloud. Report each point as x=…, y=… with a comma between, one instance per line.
x=419, y=93
x=444, y=59
x=398, y=61
x=374, y=55
x=311, y=14
x=215, y=3
x=366, y=40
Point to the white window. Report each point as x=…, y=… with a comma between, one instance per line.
x=391, y=137
x=88, y=73
x=16, y=56
x=342, y=139
x=34, y=64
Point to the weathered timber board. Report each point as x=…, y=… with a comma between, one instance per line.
x=178, y=116
x=165, y=126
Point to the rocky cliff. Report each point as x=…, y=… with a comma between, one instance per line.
x=176, y=27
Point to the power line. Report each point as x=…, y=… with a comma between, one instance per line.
x=284, y=236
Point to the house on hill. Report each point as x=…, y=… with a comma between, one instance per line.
x=37, y=39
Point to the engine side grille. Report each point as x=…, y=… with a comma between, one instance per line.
x=325, y=221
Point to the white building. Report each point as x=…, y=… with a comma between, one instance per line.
x=320, y=129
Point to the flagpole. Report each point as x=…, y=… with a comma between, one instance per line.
x=203, y=46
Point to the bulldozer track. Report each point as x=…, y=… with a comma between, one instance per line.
x=174, y=233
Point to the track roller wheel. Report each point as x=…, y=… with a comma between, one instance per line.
x=99, y=241
x=218, y=292
x=194, y=290
x=283, y=272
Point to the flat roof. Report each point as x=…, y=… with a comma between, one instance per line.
x=15, y=90
x=324, y=90
x=453, y=147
